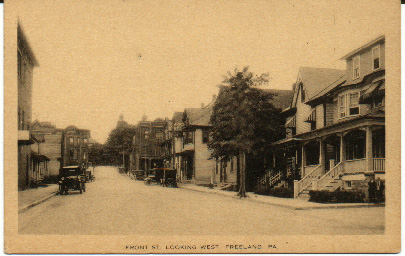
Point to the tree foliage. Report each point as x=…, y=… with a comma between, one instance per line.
x=244, y=119
x=119, y=140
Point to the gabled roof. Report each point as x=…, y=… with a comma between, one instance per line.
x=364, y=47
x=281, y=98
x=177, y=117
x=316, y=81
x=199, y=116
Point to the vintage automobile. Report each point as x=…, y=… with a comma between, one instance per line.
x=162, y=176
x=73, y=178
x=139, y=174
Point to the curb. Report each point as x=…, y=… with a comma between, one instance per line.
x=293, y=207
x=23, y=209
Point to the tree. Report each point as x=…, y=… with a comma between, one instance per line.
x=119, y=141
x=244, y=121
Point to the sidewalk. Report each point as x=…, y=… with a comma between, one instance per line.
x=31, y=197
x=290, y=203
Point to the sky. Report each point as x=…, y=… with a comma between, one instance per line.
x=98, y=59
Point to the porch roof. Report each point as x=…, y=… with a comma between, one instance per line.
x=371, y=119
x=286, y=141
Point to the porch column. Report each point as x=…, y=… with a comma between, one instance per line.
x=303, y=160
x=369, y=149
x=322, y=155
x=342, y=148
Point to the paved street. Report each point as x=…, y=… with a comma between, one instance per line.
x=117, y=205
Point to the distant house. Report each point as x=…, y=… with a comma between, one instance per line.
x=75, y=146
x=50, y=147
x=336, y=125
x=147, y=151
x=26, y=62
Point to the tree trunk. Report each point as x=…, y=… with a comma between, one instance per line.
x=238, y=171
x=242, y=187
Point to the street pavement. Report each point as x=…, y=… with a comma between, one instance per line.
x=117, y=205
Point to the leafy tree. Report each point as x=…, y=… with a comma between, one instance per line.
x=119, y=142
x=244, y=120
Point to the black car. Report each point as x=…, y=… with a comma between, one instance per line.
x=72, y=178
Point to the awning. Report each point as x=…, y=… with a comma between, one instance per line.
x=375, y=89
x=312, y=117
x=354, y=177
x=39, y=157
x=291, y=123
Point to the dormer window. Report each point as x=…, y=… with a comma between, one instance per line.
x=356, y=67
x=376, y=57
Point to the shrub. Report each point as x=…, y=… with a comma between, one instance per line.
x=336, y=196
x=277, y=192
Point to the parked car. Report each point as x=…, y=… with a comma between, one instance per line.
x=139, y=174
x=72, y=178
x=161, y=176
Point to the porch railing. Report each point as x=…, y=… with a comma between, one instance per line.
x=327, y=177
x=274, y=179
x=306, y=181
x=378, y=164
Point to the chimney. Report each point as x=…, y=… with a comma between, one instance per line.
x=202, y=105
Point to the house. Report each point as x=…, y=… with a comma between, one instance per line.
x=26, y=62
x=336, y=124
x=196, y=163
x=50, y=147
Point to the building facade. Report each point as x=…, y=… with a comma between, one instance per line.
x=147, y=145
x=50, y=147
x=26, y=62
x=75, y=146
x=336, y=128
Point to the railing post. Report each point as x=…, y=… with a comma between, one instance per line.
x=296, y=189
x=314, y=185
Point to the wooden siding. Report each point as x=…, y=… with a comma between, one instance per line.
x=303, y=111
x=365, y=64
x=319, y=116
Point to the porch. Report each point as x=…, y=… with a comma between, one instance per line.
x=326, y=158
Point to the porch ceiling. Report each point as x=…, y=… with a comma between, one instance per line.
x=343, y=127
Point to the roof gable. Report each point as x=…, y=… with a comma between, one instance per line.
x=314, y=82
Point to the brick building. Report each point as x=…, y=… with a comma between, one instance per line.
x=147, y=151
x=75, y=146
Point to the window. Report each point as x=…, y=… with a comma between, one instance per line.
x=19, y=119
x=71, y=153
x=376, y=57
x=349, y=104
x=356, y=67
x=342, y=106
x=188, y=138
x=71, y=140
x=75, y=154
x=348, y=184
x=354, y=104
x=355, y=145
x=159, y=136
x=302, y=95
x=85, y=140
x=313, y=126
x=23, y=120
x=205, y=136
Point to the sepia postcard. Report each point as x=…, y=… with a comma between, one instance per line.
x=189, y=126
